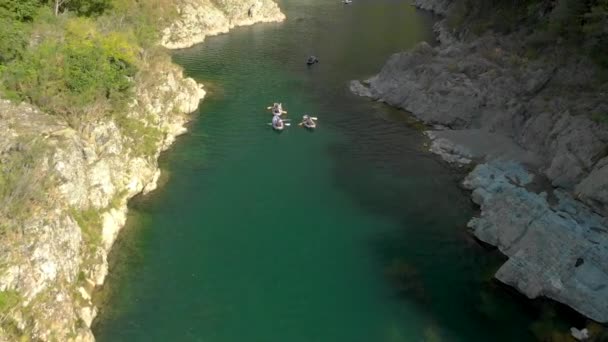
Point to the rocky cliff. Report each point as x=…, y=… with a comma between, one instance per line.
x=64, y=191
x=198, y=19
x=487, y=101
x=76, y=188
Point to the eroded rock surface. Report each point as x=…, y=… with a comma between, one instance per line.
x=201, y=18
x=557, y=249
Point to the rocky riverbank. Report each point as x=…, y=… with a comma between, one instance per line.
x=523, y=120
x=201, y=18
x=65, y=191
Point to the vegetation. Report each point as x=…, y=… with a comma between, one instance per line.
x=582, y=24
x=77, y=59
x=8, y=299
x=22, y=182
x=89, y=221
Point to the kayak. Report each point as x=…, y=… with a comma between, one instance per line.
x=277, y=109
x=308, y=122
x=277, y=123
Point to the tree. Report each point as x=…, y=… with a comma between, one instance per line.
x=58, y=5
x=21, y=10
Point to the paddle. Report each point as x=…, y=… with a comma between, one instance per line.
x=284, y=123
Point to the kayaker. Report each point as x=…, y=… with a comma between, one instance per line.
x=276, y=120
x=277, y=109
x=308, y=120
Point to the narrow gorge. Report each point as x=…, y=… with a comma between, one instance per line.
x=457, y=191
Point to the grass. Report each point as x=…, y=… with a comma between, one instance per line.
x=8, y=300
x=89, y=221
x=145, y=137
x=23, y=183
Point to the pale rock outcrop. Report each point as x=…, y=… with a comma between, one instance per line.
x=201, y=18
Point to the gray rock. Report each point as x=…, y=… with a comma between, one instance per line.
x=594, y=188
x=440, y=7
x=558, y=251
x=481, y=84
x=359, y=89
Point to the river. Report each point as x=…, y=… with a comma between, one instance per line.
x=349, y=233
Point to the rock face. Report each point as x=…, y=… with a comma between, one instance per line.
x=201, y=18
x=482, y=85
x=557, y=250
x=507, y=110
x=440, y=7
x=58, y=254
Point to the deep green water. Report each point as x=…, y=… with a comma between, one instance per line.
x=349, y=233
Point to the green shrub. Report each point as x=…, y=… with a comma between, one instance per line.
x=22, y=10
x=145, y=138
x=13, y=40
x=82, y=78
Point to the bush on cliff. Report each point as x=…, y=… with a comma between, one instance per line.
x=81, y=78
x=581, y=24
x=79, y=65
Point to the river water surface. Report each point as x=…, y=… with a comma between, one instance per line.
x=349, y=233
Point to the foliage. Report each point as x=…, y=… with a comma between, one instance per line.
x=8, y=299
x=88, y=7
x=13, y=40
x=79, y=65
x=22, y=180
x=21, y=10
x=89, y=221
x=81, y=78
x=581, y=24
x=145, y=137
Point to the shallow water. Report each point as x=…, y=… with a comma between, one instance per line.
x=348, y=233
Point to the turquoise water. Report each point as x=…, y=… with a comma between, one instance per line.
x=348, y=233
